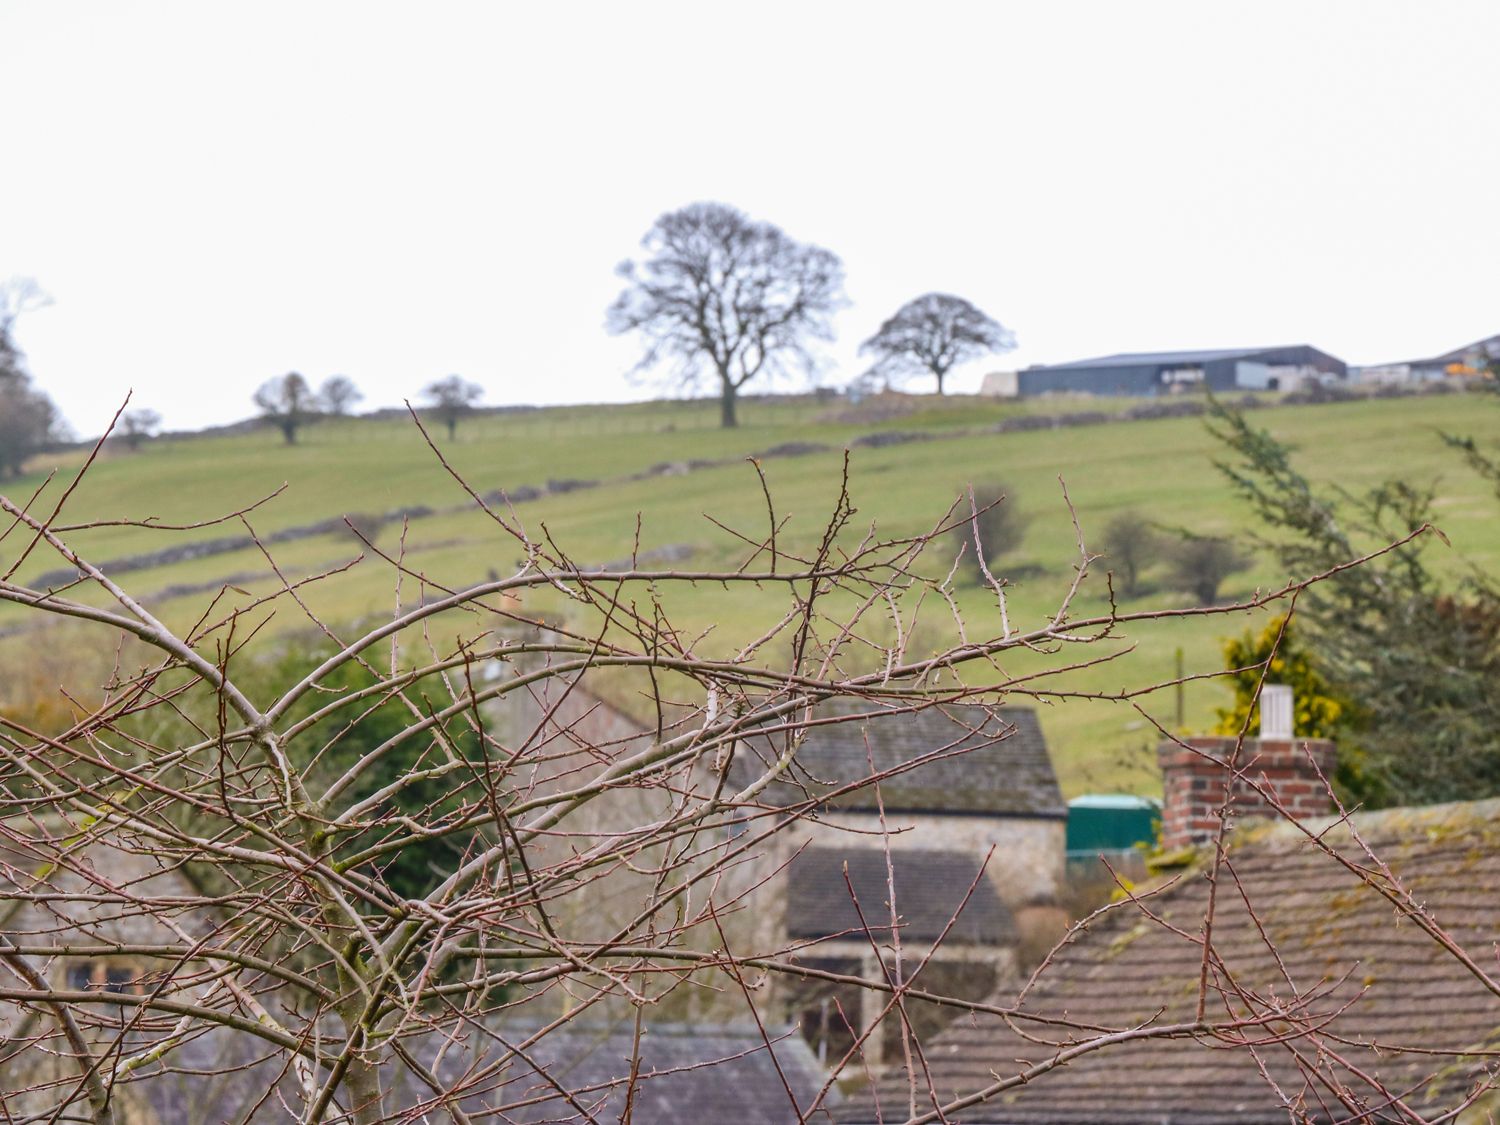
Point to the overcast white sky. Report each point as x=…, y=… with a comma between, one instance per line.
x=215, y=194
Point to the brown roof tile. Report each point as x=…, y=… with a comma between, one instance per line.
x=1388, y=992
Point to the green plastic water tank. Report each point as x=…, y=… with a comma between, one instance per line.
x=1111, y=822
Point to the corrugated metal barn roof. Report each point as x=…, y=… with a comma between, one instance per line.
x=1145, y=359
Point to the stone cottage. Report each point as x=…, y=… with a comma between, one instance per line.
x=966, y=824
x=973, y=821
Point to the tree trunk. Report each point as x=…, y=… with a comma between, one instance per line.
x=727, y=419
x=289, y=431
x=362, y=1083
x=452, y=427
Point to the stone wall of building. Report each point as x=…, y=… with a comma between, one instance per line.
x=1026, y=865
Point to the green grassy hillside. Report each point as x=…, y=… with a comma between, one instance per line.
x=1164, y=468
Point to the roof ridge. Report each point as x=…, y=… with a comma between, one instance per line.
x=1397, y=823
x=1116, y=358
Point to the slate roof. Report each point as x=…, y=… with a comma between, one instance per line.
x=689, y=1074
x=971, y=760
x=931, y=886
x=686, y=1075
x=1386, y=982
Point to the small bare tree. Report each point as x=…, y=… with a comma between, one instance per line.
x=725, y=296
x=138, y=425
x=995, y=529
x=1201, y=563
x=1131, y=544
x=288, y=403
x=452, y=398
x=932, y=334
x=339, y=394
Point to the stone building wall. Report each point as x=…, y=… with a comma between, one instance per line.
x=59, y=887
x=1026, y=866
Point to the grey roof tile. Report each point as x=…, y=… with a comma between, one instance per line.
x=1145, y=359
x=931, y=887
x=685, y=1075
x=955, y=758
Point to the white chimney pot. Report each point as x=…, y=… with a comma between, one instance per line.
x=1276, y=711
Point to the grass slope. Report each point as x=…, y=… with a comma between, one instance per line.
x=1164, y=468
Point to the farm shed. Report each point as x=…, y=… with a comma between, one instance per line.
x=1152, y=373
x=1468, y=361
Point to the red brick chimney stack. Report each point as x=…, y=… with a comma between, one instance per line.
x=1193, y=777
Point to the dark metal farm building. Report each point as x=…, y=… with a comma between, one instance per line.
x=1151, y=373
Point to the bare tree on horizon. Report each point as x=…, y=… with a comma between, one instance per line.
x=931, y=335
x=339, y=394
x=726, y=296
x=452, y=398
x=288, y=403
x=138, y=425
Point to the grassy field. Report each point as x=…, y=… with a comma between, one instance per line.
x=1163, y=468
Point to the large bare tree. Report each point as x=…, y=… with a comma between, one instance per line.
x=932, y=334
x=726, y=297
